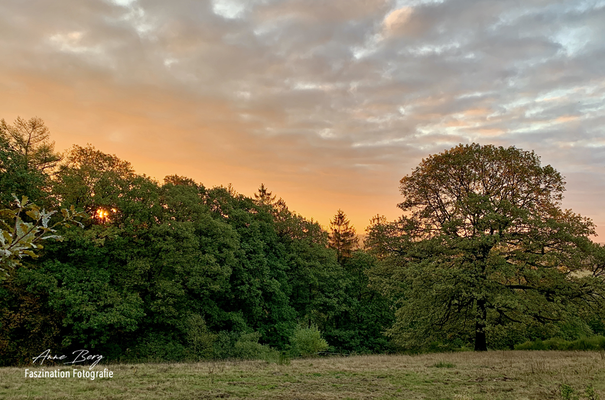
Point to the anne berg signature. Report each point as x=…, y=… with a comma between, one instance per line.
x=80, y=357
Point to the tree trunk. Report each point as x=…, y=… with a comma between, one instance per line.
x=481, y=321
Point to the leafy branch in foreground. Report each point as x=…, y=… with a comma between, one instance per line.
x=19, y=238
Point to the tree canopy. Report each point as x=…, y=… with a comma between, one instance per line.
x=30, y=138
x=169, y=271
x=484, y=245
x=483, y=254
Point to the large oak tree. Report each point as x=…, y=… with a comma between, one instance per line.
x=483, y=243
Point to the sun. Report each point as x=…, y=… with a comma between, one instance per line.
x=102, y=215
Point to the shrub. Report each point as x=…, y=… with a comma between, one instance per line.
x=307, y=342
x=243, y=346
x=248, y=348
x=158, y=347
x=199, y=339
x=591, y=343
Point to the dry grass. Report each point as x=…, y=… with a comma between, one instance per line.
x=491, y=375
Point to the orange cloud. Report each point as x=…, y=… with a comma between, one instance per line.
x=566, y=118
x=396, y=20
x=477, y=112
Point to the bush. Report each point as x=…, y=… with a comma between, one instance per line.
x=555, y=344
x=157, y=347
x=307, y=342
x=248, y=348
x=224, y=345
x=597, y=326
x=591, y=343
x=243, y=346
x=199, y=339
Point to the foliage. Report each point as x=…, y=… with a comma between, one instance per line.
x=591, y=394
x=484, y=243
x=170, y=272
x=199, y=339
x=590, y=343
x=243, y=346
x=248, y=348
x=568, y=392
x=365, y=313
x=15, y=177
x=343, y=238
x=30, y=139
x=92, y=180
x=307, y=341
x=19, y=238
x=28, y=322
x=178, y=271
x=264, y=196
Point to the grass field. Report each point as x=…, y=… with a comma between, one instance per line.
x=490, y=375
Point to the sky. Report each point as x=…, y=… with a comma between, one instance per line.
x=328, y=103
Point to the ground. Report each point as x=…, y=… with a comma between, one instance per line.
x=466, y=375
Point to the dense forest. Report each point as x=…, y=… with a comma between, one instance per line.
x=483, y=256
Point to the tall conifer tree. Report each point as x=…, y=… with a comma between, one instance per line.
x=343, y=237
x=264, y=196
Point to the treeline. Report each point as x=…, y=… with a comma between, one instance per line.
x=482, y=257
x=176, y=270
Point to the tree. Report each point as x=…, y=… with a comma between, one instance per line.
x=30, y=138
x=15, y=177
x=104, y=186
x=364, y=313
x=342, y=237
x=264, y=197
x=484, y=243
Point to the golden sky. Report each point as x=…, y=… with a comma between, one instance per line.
x=328, y=103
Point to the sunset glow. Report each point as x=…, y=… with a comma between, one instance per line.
x=102, y=215
x=329, y=104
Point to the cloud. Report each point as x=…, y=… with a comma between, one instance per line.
x=341, y=98
x=396, y=20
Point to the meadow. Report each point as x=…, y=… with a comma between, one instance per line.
x=462, y=375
